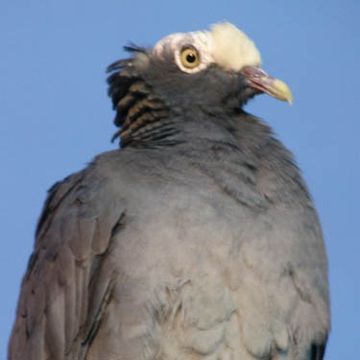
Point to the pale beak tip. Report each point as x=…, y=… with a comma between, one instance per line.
x=281, y=91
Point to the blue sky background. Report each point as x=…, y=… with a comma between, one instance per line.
x=55, y=115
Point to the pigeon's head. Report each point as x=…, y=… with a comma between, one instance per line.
x=213, y=69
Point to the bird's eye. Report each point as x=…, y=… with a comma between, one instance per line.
x=190, y=57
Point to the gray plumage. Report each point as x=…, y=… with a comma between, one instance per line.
x=197, y=240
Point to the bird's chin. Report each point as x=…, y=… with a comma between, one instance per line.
x=247, y=94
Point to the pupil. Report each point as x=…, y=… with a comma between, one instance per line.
x=190, y=57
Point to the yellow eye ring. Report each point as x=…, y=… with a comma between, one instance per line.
x=190, y=57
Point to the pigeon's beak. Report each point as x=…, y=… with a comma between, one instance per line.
x=260, y=80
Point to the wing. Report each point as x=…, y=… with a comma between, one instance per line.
x=69, y=280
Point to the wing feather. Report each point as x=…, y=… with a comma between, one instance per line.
x=66, y=286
